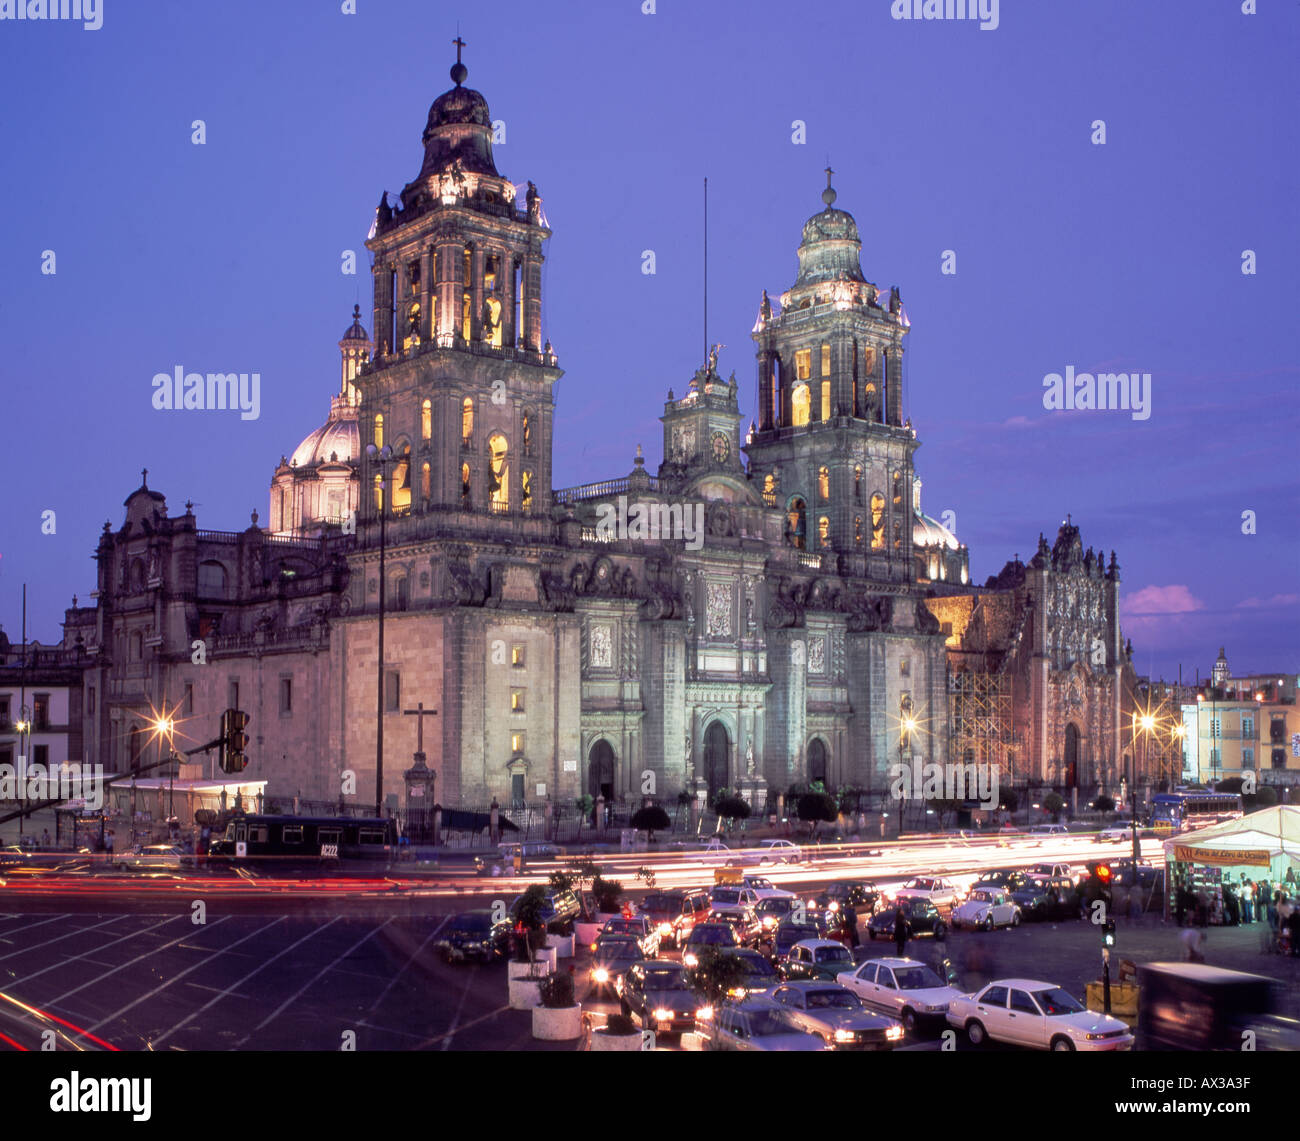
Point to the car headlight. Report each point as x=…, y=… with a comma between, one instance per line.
x=834, y=906
x=665, y=929
x=691, y=959
x=894, y=1033
x=600, y=975
x=844, y=1036
x=737, y=992
x=704, y=1013
x=812, y=903
x=593, y=948
x=663, y=1014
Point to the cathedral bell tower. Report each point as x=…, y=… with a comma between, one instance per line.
x=460, y=387
x=830, y=447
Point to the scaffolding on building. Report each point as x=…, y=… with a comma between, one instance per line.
x=983, y=730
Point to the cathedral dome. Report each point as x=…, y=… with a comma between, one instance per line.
x=459, y=130
x=355, y=331
x=830, y=225
x=831, y=249
x=338, y=440
x=459, y=105
x=927, y=532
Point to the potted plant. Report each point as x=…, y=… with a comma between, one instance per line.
x=559, y=1017
x=526, y=990
x=584, y=875
x=559, y=937
x=619, y=1033
x=607, y=893
x=530, y=931
x=650, y=819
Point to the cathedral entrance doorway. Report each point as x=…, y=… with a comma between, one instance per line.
x=717, y=752
x=517, y=790
x=1070, y=770
x=600, y=770
x=817, y=760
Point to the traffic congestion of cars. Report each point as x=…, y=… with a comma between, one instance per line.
x=794, y=965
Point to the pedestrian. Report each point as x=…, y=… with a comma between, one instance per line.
x=900, y=929
x=46, y=842
x=1180, y=904
x=1247, y=901
x=1193, y=940
x=851, y=926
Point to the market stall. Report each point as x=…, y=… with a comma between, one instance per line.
x=1218, y=862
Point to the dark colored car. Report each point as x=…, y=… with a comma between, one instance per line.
x=817, y=959
x=676, y=913
x=788, y=933
x=473, y=935
x=743, y=921
x=708, y=935
x=660, y=994
x=1046, y=897
x=761, y=977
x=861, y=895
x=922, y=917
x=1007, y=878
x=770, y=912
x=611, y=960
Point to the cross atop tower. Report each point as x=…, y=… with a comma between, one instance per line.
x=144, y=477
x=459, y=44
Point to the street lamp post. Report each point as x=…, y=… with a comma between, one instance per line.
x=382, y=456
x=906, y=726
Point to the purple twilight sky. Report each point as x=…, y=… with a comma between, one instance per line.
x=944, y=136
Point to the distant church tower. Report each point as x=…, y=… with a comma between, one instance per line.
x=830, y=447
x=461, y=383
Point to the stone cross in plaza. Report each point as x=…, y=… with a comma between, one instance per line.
x=420, y=712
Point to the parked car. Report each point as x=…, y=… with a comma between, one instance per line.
x=474, y=935
x=1122, y=833
x=640, y=927
x=756, y=1024
x=761, y=977
x=904, y=988
x=942, y=893
x=675, y=913
x=1046, y=897
x=1026, y=1012
x=838, y=1015
x=153, y=858
x=986, y=908
x=923, y=918
x=1047, y=831
x=861, y=895
x=1000, y=877
x=789, y=934
x=532, y=850
x=661, y=995
x=779, y=852
x=1054, y=871
x=611, y=958
x=817, y=959
x=707, y=935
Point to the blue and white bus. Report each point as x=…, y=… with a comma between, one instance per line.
x=1186, y=809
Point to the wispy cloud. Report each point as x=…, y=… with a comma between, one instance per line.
x=1153, y=600
x=1263, y=603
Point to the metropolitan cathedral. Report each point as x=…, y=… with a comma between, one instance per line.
x=822, y=628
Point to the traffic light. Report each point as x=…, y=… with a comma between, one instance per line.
x=233, y=741
x=1108, y=933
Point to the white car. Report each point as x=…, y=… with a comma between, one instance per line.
x=1025, y=1012
x=764, y=888
x=940, y=892
x=729, y=897
x=986, y=908
x=779, y=852
x=1053, y=871
x=904, y=988
x=1122, y=834
x=153, y=858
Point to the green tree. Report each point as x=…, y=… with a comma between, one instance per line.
x=650, y=819
x=1053, y=803
x=813, y=807
x=1104, y=803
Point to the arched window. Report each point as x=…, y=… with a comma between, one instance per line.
x=796, y=523
x=823, y=484
x=498, y=472
x=402, y=479
x=137, y=575
x=857, y=483
x=526, y=490
x=799, y=402
x=467, y=422
x=857, y=529
x=411, y=339
x=426, y=420
x=464, y=485
x=769, y=490
x=528, y=432
x=898, y=489
x=425, y=482
x=824, y=531
x=877, y=522
x=467, y=294
x=379, y=429
x=212, y=580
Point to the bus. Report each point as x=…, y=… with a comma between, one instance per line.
x=290, y=842
x=1187, y=809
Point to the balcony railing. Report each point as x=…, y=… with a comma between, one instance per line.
x=603, y=489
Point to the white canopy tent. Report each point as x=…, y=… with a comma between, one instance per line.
x=1267, y=839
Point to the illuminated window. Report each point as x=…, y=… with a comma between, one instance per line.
x=857, y=484
x=898, y=489
x=467, y=297
x=904, y=667
x=412, y=336
x=877, y=522
x=426, y=420
x=857, y=529
x=796, y=523
x=402, y=480
x=826, y=360
x=823, y=484
x=425, y=482
x=526, y=490
x=498, y=471
x=826, y=400
x=379, y=429
x=464, y=485
x=803, y=364
x=517, y=655
x=516, y=744
x=799, y=405
x=467, y=422
x=517, y=700
x=824, y=531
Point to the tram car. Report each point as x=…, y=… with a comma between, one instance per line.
x=271, y=843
